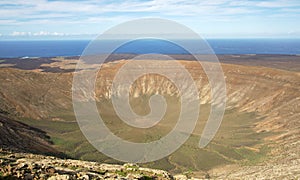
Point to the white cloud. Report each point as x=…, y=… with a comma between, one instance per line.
x=279, y=3
x=35, y=10
x=45, y=33
x=41, y=33
x=63, y=15
x=17, y=33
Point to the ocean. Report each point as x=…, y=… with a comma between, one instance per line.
x=43, y=48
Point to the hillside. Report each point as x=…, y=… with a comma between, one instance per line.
x=259, y=134
x=20, y=137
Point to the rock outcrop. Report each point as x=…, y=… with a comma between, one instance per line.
x=31, y=166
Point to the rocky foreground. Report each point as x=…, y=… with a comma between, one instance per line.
x=31, y=166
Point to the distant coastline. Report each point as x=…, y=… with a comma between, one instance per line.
x=283, y=62
x=66, y=48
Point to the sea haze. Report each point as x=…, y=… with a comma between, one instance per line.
x=13, y=49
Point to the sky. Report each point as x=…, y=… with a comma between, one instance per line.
x=75, y=19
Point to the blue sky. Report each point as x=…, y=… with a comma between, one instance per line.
x=63, y=19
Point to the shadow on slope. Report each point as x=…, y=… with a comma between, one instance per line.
x=19, y=137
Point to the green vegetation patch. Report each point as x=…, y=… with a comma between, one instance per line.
x=146, y=178
x=253, y=157
x=121, y=173
x=234, y=142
